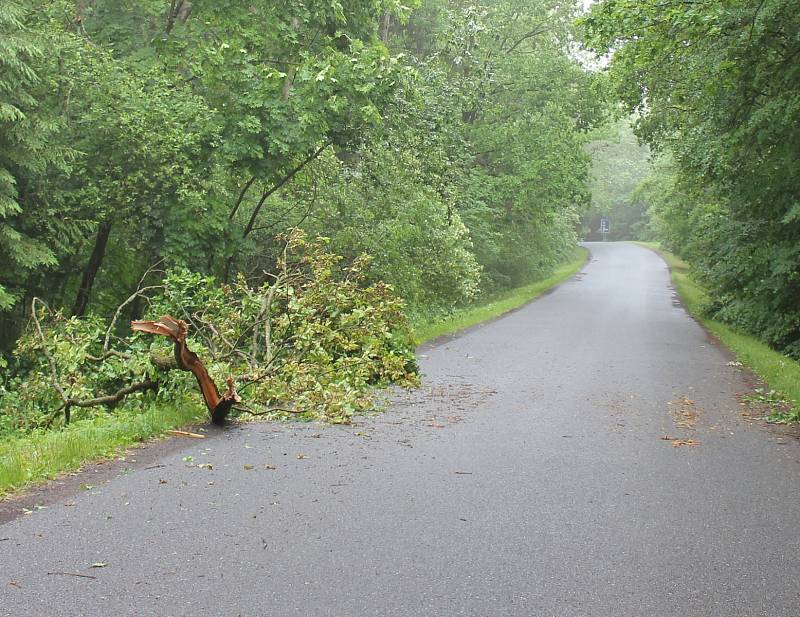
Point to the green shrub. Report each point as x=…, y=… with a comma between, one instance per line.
x=313, y=338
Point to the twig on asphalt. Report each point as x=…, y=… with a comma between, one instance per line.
x=73, y=574
x=186, y=434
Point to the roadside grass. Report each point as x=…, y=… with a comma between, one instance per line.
x=426, y=329
x=781, y=373
x=42, y=456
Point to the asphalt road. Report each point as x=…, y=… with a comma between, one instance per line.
x=530, y=476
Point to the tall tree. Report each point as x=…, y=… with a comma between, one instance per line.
x=26, y=153
x=524, y=102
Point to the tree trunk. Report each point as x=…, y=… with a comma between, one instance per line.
x=179, y=10
x=90, y=272
x=291, y=69
x=386, y=20
x=176, y=329
x=137, y=309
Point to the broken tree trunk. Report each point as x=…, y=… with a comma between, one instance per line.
x=176, y=329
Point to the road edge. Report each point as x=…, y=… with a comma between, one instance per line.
x=442, y=339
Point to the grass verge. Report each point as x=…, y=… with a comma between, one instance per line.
x=428, y=329
x=41, y=456
x=780, y=372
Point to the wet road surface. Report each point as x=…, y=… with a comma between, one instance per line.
x=583, y=456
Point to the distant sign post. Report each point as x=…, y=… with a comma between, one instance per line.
x=604, y=229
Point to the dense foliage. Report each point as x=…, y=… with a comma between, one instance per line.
x=312, y=340
x=717, y=89
x=443, y=138
x=27, y=126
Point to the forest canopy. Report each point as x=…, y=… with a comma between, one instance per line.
x=168, y=141
x=444, y=139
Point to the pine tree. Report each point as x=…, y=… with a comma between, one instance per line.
x=25, y=151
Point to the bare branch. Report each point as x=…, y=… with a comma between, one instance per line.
x=53, y=373
x=254, y=215
x=139, y=292
x=112, y=399
x=242, y=193
x=527, y=36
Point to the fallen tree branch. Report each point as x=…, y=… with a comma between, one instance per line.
x=139, y=292
x=164, y=363
x=68, y=401
x=53, y=373
x=111, y=399
x=176, y=329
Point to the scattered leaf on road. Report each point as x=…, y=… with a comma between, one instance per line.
x=684, y=412
x=677, y=443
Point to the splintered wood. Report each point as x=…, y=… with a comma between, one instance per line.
x=186, y=434
x=176, y=329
